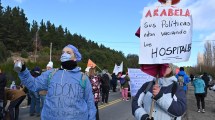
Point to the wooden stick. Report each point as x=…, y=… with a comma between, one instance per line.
x=168, y=3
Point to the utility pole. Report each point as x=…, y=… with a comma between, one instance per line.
x=51, y=52
x=35, y=55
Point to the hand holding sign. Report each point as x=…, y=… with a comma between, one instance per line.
x=155, y=90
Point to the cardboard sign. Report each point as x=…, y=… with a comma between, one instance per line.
x=165, y=35
x=137, y=79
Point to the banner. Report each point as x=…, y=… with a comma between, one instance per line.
x=118, y=69
x=90, y=63
x=165, y=35
x=137, y=79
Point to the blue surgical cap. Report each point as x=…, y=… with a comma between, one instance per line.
x=76, y=52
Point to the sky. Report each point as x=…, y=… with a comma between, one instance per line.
x=113, y=23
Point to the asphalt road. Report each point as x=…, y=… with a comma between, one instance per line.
x=116, y=109
x=121, y=110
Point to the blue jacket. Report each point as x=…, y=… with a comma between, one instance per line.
x=66, y=99
x=186, y=79
x=199, y=85
x=166, y=107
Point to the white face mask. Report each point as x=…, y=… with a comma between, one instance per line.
x=65, y=57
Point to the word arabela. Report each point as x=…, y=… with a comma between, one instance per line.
x=167, y=12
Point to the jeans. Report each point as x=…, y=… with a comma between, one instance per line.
x=200, y=97
x=42, y=97
x=35, y=102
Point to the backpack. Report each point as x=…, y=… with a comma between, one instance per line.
x=122, y=81
x=181, y=80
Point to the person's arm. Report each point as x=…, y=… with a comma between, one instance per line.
x=137, y=104
x=176, y=105
x=89, y=98
x=35, y=84
x=203, y=83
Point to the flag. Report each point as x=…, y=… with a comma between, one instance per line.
x=115, y=69
x=118, y=69
x=121, y=67
x=91, y=64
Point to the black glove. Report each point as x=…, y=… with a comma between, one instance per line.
x=149, y=118
x=146, y=117
x=23, y=67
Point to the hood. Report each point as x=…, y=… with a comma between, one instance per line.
x=181, y=73
x=198, y=80
x=167, y=81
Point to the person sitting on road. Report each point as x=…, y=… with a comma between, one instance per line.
x=69, y=95
x=169, y=97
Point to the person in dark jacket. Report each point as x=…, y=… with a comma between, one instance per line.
x=206, y=80
x=114, y=81
x=105, y=84
x=2, y=92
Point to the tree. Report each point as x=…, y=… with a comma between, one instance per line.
x=4, y=54
x=132, y=60
x=208, y=60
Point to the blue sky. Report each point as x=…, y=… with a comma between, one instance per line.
x=114, y=22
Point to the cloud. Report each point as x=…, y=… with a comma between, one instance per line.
x=210, y=37
x=201, y=11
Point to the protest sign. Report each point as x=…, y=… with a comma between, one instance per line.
x=165, y=35
x=137, y=79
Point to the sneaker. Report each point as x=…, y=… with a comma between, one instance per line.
x=203, y=110
x=102, y=103
x=198, y=110
x=123, y=99
x=31, y=114
x=127, y=100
